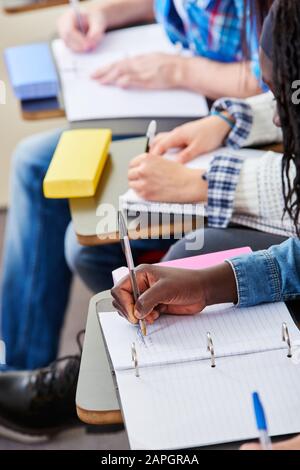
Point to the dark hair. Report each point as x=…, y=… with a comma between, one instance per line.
x=286, y=69
x=260, y=8
x=256, y=11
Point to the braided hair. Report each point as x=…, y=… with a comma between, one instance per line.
x=286, y=70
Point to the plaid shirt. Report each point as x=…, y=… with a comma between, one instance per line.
x=223, y=176
x=224, y=171
x=213, y=29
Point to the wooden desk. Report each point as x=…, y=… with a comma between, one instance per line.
x=96, y=398
x=84, y=210
x=113, y=183
x=36, y=110
x=22, y=6
x=273, y=147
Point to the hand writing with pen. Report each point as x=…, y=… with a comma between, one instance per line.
x=173, y=291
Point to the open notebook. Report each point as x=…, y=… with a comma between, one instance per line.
x=85, y=99
x=132, y=202
x=180, y=401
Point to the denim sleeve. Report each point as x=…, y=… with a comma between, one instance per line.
x=271, y=275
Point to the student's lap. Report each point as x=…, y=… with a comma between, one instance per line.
x=225, y=239
x=37, y=149
x=94, y=264
x=34, y=153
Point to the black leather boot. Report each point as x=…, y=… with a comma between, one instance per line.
x=35, y=405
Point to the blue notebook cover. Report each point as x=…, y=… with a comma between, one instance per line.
x=32, y=71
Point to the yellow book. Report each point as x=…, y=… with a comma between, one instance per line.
x=77, y=163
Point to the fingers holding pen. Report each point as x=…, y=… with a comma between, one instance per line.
x=123, y=297
x=150, y=319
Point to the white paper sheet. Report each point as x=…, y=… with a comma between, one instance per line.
x=85, y=99
x=180, y=401
x=189, y=405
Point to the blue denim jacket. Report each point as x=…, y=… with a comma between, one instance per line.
x=271, y=275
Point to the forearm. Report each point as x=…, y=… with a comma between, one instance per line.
x=220, y=285
x=125, y=12
x=215, y=79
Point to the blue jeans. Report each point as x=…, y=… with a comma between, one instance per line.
x=36, y=277
x=94, y=264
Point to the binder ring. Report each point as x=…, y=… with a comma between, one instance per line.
x=210, y=348
x=286, y=338
x=135, y=360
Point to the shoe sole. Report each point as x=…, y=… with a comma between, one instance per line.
x=30, y=436
x=22, y=438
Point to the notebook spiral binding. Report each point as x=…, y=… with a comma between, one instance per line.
x=286, y=338
x=210, y=348
x=135, y=360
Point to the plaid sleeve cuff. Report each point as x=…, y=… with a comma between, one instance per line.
x=243, y=116
x=222, y=177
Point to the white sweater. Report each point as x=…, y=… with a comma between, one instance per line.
x=259, y=194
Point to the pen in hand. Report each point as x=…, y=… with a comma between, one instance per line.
x=75, y=6
x=150, y=134
x=128, y=255
x=261, y=423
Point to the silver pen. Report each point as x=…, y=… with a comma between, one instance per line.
x=130, y=264
x=75, y=5
x=150, y=134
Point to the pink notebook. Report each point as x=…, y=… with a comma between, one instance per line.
x=193, y=262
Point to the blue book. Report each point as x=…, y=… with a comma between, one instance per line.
x=32, y=71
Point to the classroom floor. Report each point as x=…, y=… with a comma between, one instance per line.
x=75, y=321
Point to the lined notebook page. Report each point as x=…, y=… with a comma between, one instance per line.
x=189, y=405
x=130, y=200
x=96, y=101
x=178, y=339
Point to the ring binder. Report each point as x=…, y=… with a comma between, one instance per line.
x=210, y=348
x=286, y=338
x=135, y=360
x=176, y=375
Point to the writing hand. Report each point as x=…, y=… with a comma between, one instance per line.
x=163, y=290
x=194, y=138
x=157, y=179
x=175, y=291
x=94, y=25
